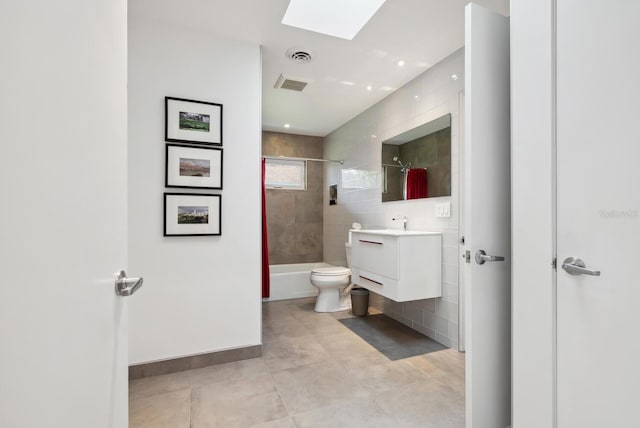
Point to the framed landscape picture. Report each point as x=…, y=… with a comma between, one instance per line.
x=193, y=167
x=190, y=214
x=191, y=121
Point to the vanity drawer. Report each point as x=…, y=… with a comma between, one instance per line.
x=386, y=287
x=375, y=253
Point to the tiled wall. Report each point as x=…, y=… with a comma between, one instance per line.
x=294, y=217
x=358, y=142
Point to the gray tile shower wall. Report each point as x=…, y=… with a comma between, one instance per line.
x=434, y=93
x=295, y=217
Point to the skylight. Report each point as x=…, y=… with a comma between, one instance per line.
x=338, y=18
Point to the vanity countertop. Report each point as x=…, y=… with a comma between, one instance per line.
x=394, y=232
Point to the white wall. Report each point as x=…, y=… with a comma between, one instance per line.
x=201, y=294
x=532, y=163
x=358, y=142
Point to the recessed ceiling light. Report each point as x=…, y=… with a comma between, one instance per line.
x=369, y=88
x=400, y=63
x=347, y=82
x=454, y=76
x=286, y=125
x=416, y=97
x=338, y=18
x=387, y=88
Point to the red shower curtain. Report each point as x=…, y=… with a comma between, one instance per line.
x=417, y=183
x=266, y=284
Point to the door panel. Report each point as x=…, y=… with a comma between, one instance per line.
x=598, y=211
x=487, y=219
x=63, y=331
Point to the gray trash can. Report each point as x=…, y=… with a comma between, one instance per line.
x=360, y=301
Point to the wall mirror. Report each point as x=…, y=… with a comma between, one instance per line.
x=417, y=163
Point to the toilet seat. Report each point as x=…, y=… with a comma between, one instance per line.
x=331, y=271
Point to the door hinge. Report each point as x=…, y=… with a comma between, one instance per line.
x=554, y=263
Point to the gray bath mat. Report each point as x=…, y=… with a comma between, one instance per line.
x=392, y=338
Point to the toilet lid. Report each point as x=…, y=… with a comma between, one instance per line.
x=331, y=271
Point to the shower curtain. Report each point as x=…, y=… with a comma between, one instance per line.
x=266, y=285
x=417, y=183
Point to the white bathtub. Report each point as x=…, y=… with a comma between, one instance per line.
x=292, y=281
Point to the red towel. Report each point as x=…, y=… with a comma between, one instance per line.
x=417, y=183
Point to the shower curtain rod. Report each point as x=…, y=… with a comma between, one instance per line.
x=304, y=159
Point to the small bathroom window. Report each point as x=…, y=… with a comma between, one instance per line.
x=286, y=174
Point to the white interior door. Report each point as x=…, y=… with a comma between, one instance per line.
x=63, y=330
x=462, y=269
x=598, y=212
x=487, y=219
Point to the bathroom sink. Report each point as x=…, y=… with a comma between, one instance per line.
x=395, y=232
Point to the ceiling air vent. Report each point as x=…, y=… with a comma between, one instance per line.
x=299, y=55
x=291, y=83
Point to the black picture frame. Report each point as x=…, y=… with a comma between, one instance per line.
x=187, y=222
x=200, y=168
x=192, y=121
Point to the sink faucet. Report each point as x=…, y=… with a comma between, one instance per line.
x=404, y=221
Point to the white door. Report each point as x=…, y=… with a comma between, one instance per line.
x=63, y=131
x=487, y=219
x=598, y=212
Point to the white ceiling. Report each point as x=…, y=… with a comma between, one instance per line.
x=419, y=32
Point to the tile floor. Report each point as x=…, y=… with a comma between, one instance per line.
x=314, y=372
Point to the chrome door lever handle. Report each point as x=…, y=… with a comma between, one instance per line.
x=575, y=266
x=482, y=257
x=127, y=286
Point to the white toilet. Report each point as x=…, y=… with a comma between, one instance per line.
x=331, y=283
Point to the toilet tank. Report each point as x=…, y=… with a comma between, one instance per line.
x=347, y=248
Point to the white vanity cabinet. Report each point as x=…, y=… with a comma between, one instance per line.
x=399, y=265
